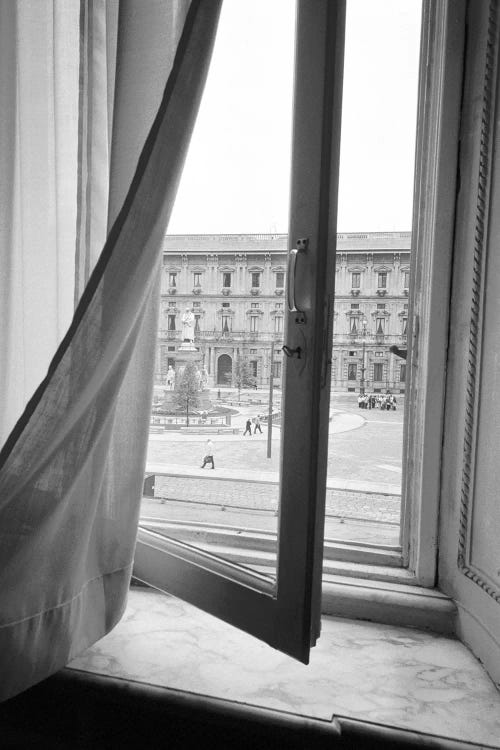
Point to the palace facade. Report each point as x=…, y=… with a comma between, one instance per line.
x=235, y=287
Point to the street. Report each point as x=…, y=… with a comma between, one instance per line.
x=364, y=475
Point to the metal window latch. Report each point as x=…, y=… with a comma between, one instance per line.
x=292, y=352
x=302, y=245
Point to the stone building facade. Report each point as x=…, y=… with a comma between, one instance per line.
x=235, y=287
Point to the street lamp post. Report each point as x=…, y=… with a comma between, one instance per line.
x=364, y=323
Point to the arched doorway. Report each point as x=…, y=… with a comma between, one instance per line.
x=224, y=369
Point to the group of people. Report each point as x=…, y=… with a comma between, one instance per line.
x=384, y=401
x=256, y=423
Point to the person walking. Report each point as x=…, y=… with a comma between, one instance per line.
x=248, y=428
x=257, y=425
x=209, y=454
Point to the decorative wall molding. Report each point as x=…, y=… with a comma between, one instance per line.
x=484, y=177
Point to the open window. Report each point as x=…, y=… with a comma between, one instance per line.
x=284, y=609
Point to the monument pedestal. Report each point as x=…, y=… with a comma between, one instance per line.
x=186, y=354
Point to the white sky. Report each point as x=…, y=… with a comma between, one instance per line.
x=236, y=178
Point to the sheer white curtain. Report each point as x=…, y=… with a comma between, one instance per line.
x=71, y=470
x=38, y=178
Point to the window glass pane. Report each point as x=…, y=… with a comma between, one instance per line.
x=374, y=223
x=223, y=382
x=382, y=280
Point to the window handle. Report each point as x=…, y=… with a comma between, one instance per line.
x=302, y=245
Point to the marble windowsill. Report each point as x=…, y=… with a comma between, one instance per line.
x=399, y=677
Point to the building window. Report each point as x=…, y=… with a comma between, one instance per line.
x=402, y=373
x=353, y=325
x=197, y=279
x=355, y=306
x=380, y=326
x=278, y=324
x=226, y=323
x=276, y=369
x=255, y=279
x=171, y=322
x=254, y=323
x=197, y=322
x=280, y=279
x=171, y=303
x=380, y=305
x=352, y=354
x=404, y=326
x=170, y=348
x=254, y=304
x=196, y=304
x=355, y=280
x=382, y=280
x=226, y=280
x=172, y=279
x=378, y=372
x=226, y=304
x=352, y=370
x=406, y=279
x=278, y=305
x=253, y=351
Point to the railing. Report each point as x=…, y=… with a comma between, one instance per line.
x=160, y=420
x=369, y=338
x=338, y=338
x=204, y=336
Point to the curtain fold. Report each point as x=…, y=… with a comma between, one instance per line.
x=71, y=471
x=38, y=149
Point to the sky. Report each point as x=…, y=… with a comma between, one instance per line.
x=236, y=177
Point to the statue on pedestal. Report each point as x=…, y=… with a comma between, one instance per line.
x=204, y=379
x=170, y=378
x=188, y=326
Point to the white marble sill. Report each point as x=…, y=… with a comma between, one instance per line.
x=399, y=677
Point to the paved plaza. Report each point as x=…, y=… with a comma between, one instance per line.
x=364, y=474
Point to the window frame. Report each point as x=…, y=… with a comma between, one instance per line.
x=255, y=276
x=381, y=277
x=440, y=86
x=287, y=615
x=378, y=367
x=436, y=183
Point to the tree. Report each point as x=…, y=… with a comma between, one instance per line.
x=242, y=375
x=187, y=390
